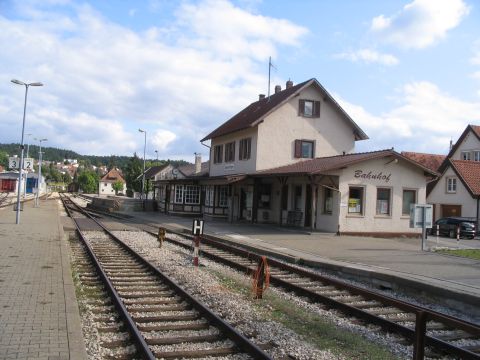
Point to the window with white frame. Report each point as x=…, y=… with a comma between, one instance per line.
x=222, y=196
x=192, y=194
x=178, y=194
x=209, y=195
x=217, y=154
x=383, y=201
x=466, y=155
x=451, y=185
x=476, y=155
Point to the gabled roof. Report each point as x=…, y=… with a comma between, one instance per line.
x=255, y=112
x=470, y=128
x=469, y=173
x=189, y=170
x=430, y=161
x=152, y=171
x=113, y=176
x=324, y=164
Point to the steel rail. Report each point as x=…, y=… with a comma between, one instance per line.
x=409, y=333
x=142, y=346
x=240, y=340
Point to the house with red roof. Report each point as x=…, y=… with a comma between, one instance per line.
x=457, y=191
x=290, y=159
x=105, y=186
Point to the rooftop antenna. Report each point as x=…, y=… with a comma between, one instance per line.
x=270, y=66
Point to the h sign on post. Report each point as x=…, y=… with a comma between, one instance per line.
x=197, y=227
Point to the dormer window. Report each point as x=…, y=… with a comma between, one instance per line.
x=309, y=108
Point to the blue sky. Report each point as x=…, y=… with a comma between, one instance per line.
x=408, y=72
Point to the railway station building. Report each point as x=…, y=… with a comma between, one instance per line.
x=290, y=159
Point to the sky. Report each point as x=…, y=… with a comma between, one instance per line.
x=407, y=72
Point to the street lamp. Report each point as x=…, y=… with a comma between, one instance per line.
x=156, y=152
x=144, y=148
x=39, y=169
x=18, y=82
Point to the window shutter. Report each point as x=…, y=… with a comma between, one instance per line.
x=240, y=149
x=298, y=148
x=301, y=107
x=316, y=110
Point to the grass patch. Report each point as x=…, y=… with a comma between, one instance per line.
x=466, y=253
x=318, y=331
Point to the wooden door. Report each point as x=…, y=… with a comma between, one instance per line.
x=451, y=210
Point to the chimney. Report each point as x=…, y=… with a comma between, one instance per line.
x=278, y=88
x=289, y=84
x=451, y=144
x=261, y=97
x=198, y=163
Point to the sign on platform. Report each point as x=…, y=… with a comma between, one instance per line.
x=13, y=162
x=417, y=215
x=28, y=164
x=197, y=227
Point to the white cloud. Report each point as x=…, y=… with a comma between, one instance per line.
x=425, y=120
x=420, y=23
x=162, y=139
x=369, y=56
x=103, y=78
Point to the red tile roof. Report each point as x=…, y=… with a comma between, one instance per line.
x=253, y=113
x=469, y=174
x=113, y=176
x=431, y=161
x=319, y=165
x=476, y=130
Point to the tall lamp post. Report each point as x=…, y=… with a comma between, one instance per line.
x=39, y=169
x=18, y=82
x=156, y=152
x=144, y=148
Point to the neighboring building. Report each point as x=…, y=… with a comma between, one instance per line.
x=105, y=185
x=178, y=190
x=457, y=191
x=289, y=159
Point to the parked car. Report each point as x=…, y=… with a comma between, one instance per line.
x=448, y=226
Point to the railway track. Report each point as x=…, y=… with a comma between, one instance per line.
x=156, y=315
x=429, y=330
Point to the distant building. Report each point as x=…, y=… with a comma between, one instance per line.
x=106, y=183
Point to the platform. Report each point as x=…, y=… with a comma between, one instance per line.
x=38, y=310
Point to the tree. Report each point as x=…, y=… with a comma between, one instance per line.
x=88, y=182
x=133, y=170
x=117, y=186
x=3, y=159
